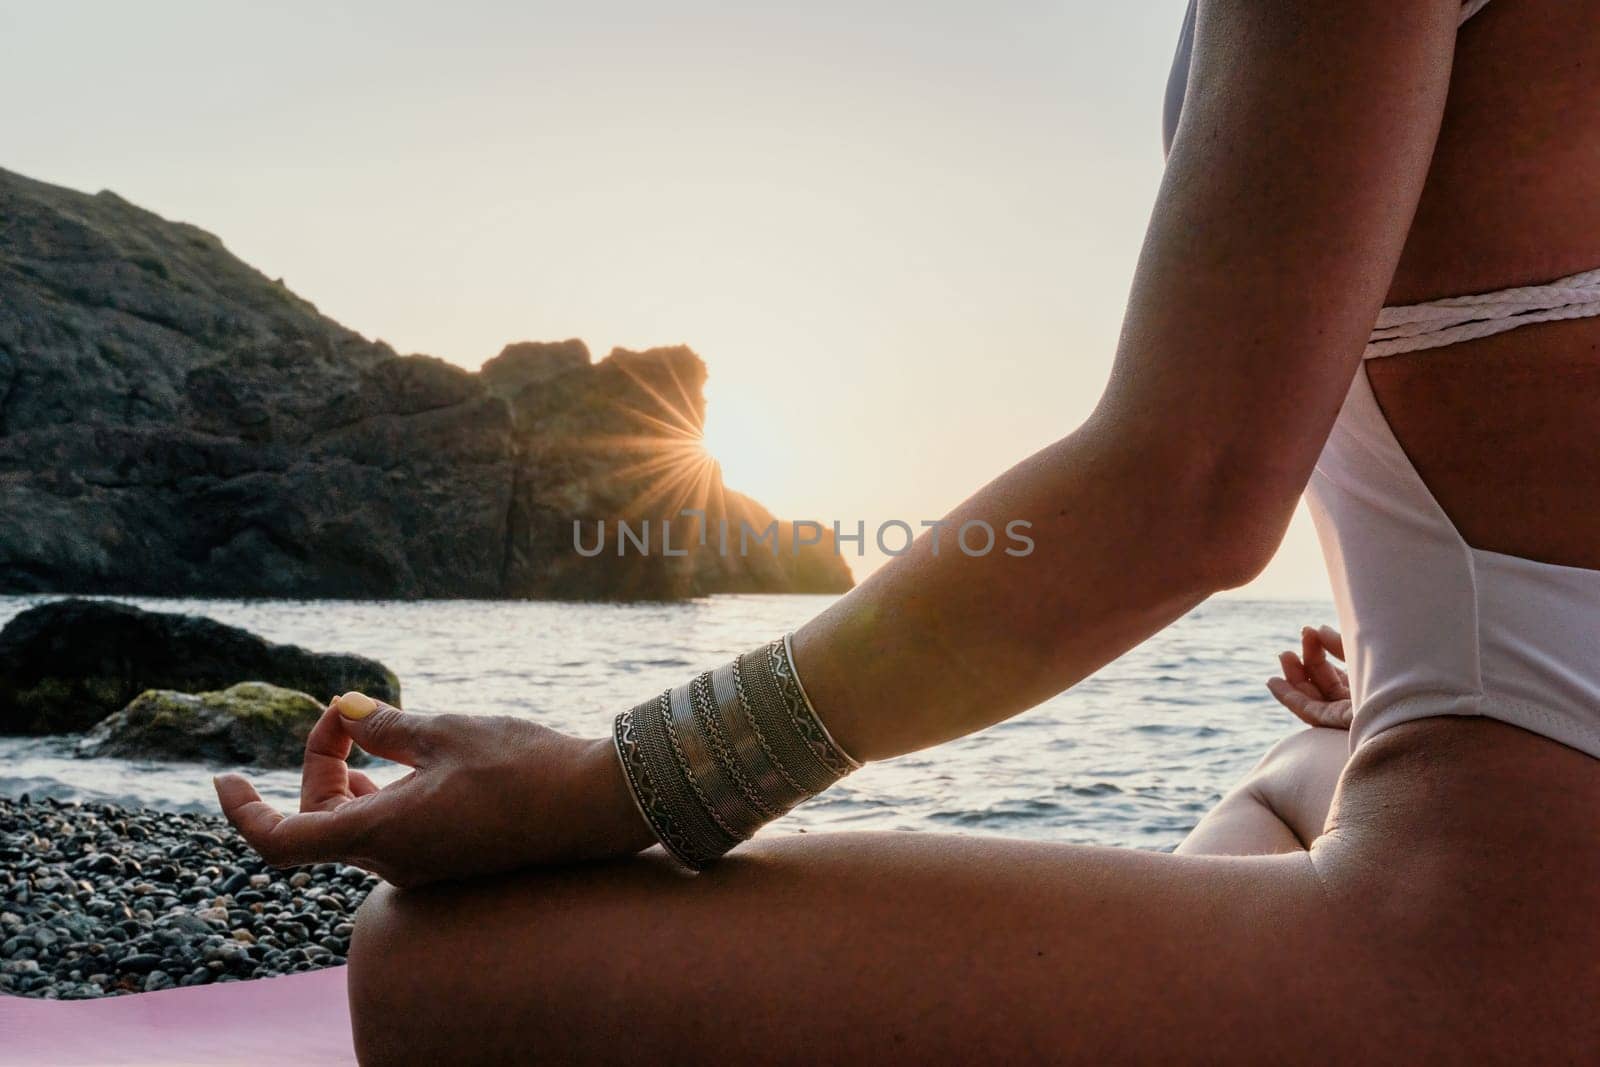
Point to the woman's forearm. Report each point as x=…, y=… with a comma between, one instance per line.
x=936, y=644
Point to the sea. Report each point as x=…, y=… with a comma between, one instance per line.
x=1133, y=756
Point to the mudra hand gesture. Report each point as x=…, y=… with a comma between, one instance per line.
x=1314, y=689
x=485, y=794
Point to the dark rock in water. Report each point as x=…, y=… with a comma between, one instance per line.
x=173, y=422
x=251, y=722
x=68, y=664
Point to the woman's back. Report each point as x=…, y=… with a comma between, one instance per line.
x=1504, y=429
x=1509, y=198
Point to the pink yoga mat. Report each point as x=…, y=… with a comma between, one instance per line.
x=299, y=1019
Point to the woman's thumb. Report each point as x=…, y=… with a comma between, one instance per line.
x=381, y=729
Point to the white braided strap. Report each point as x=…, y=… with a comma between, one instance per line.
x=1437, y=323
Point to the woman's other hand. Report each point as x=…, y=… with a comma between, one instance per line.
x=1313, y=688
x=486, y=794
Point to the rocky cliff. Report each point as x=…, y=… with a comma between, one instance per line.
x=174, y=422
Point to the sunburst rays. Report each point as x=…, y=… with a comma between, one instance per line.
x=668, y=458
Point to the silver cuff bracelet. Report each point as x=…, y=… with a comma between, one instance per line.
x=712, y=761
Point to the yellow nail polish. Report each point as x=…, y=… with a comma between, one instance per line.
x=357, y=705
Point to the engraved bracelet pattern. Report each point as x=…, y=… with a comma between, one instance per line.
x=713, y=760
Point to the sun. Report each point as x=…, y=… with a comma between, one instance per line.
x=749, y=446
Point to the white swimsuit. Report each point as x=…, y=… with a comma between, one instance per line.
x=1432, y=625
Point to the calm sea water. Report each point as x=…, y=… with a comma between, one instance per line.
x=1133, y=756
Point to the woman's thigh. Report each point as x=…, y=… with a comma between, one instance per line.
x=868, y=948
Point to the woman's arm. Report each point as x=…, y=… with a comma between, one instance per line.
x=1293, y=178
x=1290, y=188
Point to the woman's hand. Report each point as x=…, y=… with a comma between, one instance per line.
x=1314, y=689
x=486, y=794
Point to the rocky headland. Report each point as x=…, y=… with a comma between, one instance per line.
x=173, y=422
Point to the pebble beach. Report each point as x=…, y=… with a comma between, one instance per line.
x=98, y=900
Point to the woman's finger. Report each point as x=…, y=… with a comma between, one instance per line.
x=290, y=840
x=323, y=777
x=1333, y=715
x=1291, y=698
x=384, y=730
x=1324, y=675
x=361, y=785
x=1332, y=640
x=1294, y=673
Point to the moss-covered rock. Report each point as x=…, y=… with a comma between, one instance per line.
x=249, y=723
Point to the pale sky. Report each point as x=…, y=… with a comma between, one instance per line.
x=900, y=234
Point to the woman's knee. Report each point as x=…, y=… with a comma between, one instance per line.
x=1313, y=745
x=388, y=981
x=1297, y=778
x=481, y=965
x=368, y=993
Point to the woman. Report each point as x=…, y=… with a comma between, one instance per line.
x=1330, y=159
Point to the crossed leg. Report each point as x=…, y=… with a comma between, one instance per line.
x=853, y=948
x=1427, y=899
